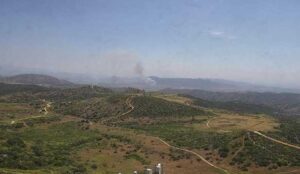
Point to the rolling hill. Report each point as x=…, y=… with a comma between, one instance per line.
x=284, y=103
x=36, y=79
x=91, y=129
x=217, y=85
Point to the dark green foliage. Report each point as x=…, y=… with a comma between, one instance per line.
x=289, y=130
x=18, y=125
x=94, y=109
x=137, y=158
x=37, y=120
x=15, y=142
x=70, y=94
x=257, y=150
x=128, y=90
x=235, y=106
x=176, y=155
x=182, y=136
x=54, y=94
x=223, y=152
x=265, y=153
x=240, y=159
x=36, y=148
x=287, y=104
x=155, y=107
x=6, y=89
x=94, y=166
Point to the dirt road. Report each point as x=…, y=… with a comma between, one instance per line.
x=276, y=141
x=128, y=103
x=196, y=154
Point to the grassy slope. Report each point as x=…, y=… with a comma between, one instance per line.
x=36, y=148
x=94, y=108
x=155, y=107
x=235, y=106
x=6, y=89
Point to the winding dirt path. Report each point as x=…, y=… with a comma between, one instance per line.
x=289, y=172
x=48, y=105
x=276, y=141
x=240, y=149
x=196, y=154
x=220, y=130
x=263, y=135
x=128, y=103
x=207, y=123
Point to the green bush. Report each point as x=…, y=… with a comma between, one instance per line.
x=16, y=142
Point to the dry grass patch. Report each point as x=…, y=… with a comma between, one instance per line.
x=174, y=98
x=13, y=111
x=230, y=122
x=150, y=149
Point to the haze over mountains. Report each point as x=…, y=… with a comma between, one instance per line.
x=215, y=85
x=159, y=83
x=148, y=83
x=278, y=101
x=36, y=79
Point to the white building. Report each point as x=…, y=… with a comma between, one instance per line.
x=159, y=169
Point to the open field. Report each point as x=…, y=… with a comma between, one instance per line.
x=233, y=122
x=137, y=151
x=12, y=111
x=173, y=98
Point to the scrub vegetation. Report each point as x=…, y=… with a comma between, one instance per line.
x=99, y=130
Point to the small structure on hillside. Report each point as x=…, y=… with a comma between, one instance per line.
x=159, y=169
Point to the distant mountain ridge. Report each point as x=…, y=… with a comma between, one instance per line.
x=285, y=103
x=217, y=85
x=190, y=83
x=36, y=79
x=143, y=82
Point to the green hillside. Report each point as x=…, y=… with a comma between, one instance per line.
x=154, y=107
x=99, y=130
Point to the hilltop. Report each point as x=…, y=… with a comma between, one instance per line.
x=284, y=103
x=36, y=79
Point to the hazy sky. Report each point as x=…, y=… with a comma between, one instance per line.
x=249, y=40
